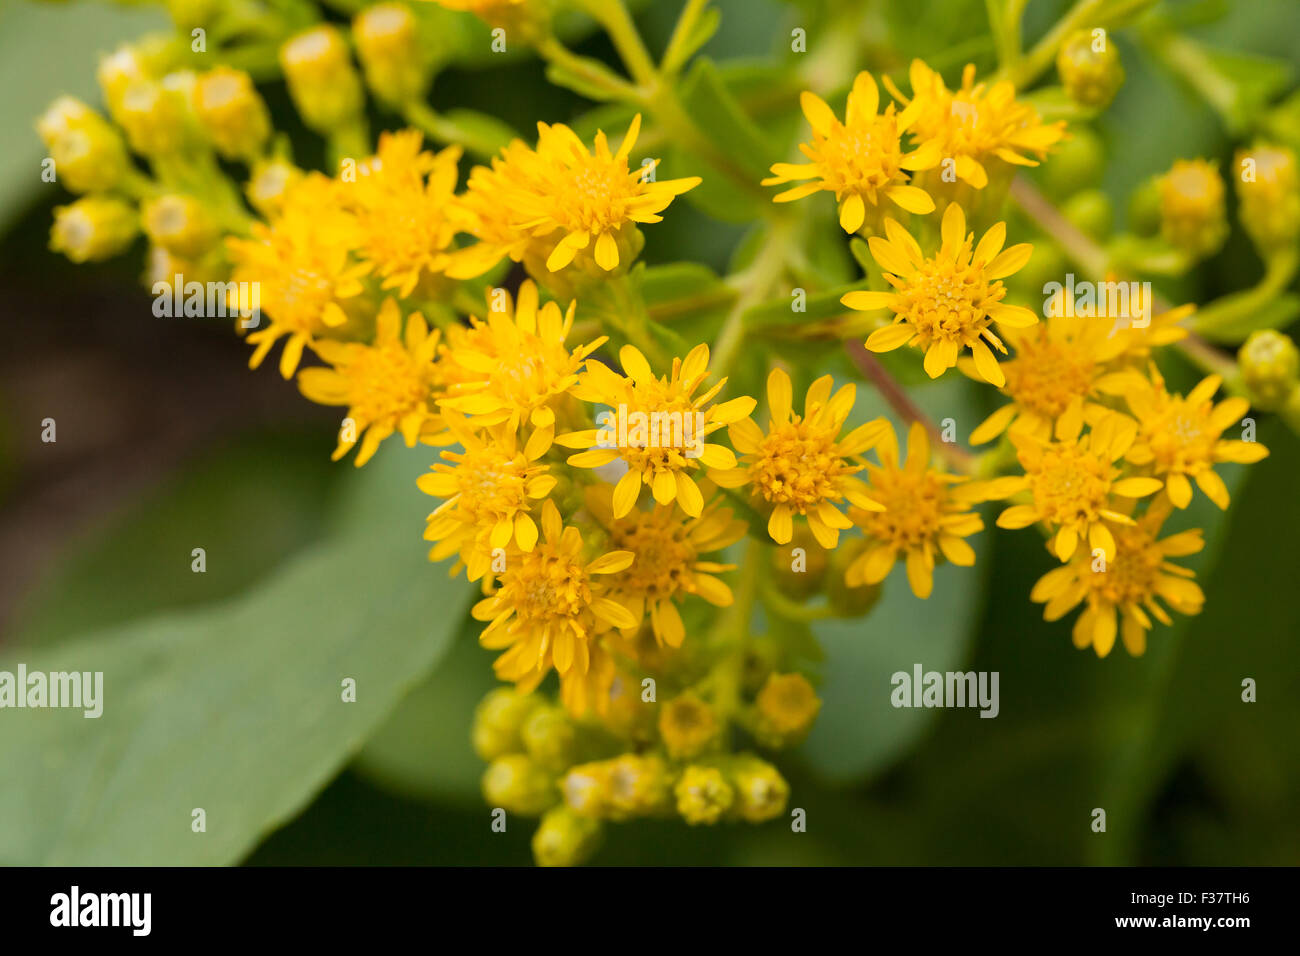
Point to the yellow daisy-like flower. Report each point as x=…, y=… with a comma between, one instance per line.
x=657, y=429
x=1193, y=216
x=488, y=486
x=1180, y=438
x=1127, y=594
x=1059, y=370
x=515, y=366
x=389, y=386
x=296, y=269
x=926, y=512
x=800, y=465
x=976, y=124
x=947, y=302
x=568, y=199
x=404, y=204
x=548, y=607
x=1072, y=481
x=860, y=160
x=668, y=566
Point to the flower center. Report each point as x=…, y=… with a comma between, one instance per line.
x=863, y=157
x=946, y=301
x=387, y=384
x=1046, y=376
x=798, y=464
x=1070, y=484
x=914, y=504
x=545, y=588
x=1133, y=573
x=664, y=557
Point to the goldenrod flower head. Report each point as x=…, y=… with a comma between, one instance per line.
x=1193, y=215
x=1269, y=195
x=296, y=270
x=687, y=726
x=663, y=465
x=1091, y=72
x=860, y=160
x=761, y=792
x=404, y=206
x=586, y=789
x=546, y=609
x=549, y=738
x=118, y=70
x=923, y=513
x=488, y=486
x=1060, y=368
x=157, y=115
x=949, y=301
x=322, y=81
x=88, y=153
x=498, y=720
x=516, y=783
x=1181, y=437
x=1072, y=481
x=786, y=708
x=1270, y=367
x=388, y=386
x=93, y=228
x=565, y=839
x=232, y=113
x=1127, y=594
x=180, y=224
x=799, y=465
x=568, y=199
x=269, y=183
x=515, y=367
x=703, y=795
x=388, y=45
x=668, y=565
x=638, y=786
x=975, y=124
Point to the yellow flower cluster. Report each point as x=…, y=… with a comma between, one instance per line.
x=596, y=479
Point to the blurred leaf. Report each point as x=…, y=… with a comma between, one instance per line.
x=235, y=708
x=1273, y=314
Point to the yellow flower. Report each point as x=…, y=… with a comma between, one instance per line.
x=703, y=795
x=668, y=565
x=786, y=707
x=974, y=125
x=1193, y=216
x=404, y=204
x=563, y=199
x=859, y=160
x=799, y=466
x=688, y=726
x=390, y=386
x=1127, y=594
x=658, y=427
x=296, y=269
x=488, y=486
x=1181, y=437
x=1072, y=481
x=547, y=608
x=946, y=302
x=1059, y=369
x=926, y=512
x=515, y=366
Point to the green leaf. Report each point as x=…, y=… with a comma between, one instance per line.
x=1274, y=314
x=689, y=297
x=236, y=709
x=818, y=307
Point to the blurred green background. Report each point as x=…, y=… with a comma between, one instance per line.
x=166, y=443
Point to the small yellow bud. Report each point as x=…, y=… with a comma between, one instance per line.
x=155, y=115
x=1269, y=194
x=232, y=113
x=586, y=789
x=64, y=114
x=269, y=183
x=761, y=792
x=549, y=738
x=565, y=839
x=638, y=786
x=1090, y=68
x=703, y=795
x=117, y=71
x=787, y=707
x=180, y=224
x=498, y=719
x=688, y=726
x=93, y=228
x=1192, y=212
x=389, y=49
x=1270, y=367
x=518, y=785
x=322, y=81
x=88, y=153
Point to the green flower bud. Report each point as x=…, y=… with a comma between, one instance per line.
x=703, y=795
x=1270, y=367
x=549, y=738
x=322, y=81
x=180, y=224
x=565, y=839
x=1193, y=218
x=1090, y=68
x=761, y=792
x=1091, y=212
x=515, y=783
x=1269, y=195
x=786, y=708
x=798, y=573
x=231, y=112
x=498, y=720
x=396, y=68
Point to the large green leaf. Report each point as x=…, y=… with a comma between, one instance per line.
x=236, y=709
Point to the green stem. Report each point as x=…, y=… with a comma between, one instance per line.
x=447, y=131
